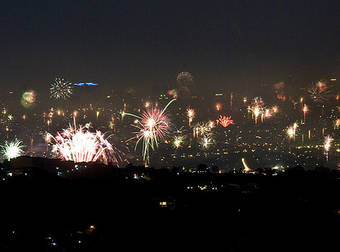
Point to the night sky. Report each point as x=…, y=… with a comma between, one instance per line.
x=146, y=43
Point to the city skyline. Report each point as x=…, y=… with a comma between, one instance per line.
x=279, y=128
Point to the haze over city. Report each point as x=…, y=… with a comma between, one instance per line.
x=118, y=116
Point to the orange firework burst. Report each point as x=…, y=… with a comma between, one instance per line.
x=304, y=110
x=225, y=121
x=218, y=106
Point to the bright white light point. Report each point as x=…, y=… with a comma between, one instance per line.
x=327, y=143
x=147, y=133
x=257, y=111
x=151, y=123
x=206, y=142
x=291, y=131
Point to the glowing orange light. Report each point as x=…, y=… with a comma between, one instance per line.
x=218, y=106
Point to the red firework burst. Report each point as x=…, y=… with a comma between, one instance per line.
x=225, y=121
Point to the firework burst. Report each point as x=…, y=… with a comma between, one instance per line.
x=191, y=115
x=291, y=131
x=28, y=98
x=184, y=78
x=152, y=126
x=202, y=129
x=337, y=124
x=178, y=141
x=206, y=141
x=327, y=145
x=225, y=121
x=319, y=92
x=257, y=108
x=218, y=106
x=211, y=124
x=204, y=134
x=61, y=89
x=275, y=109
x=79, y=144
x=12, y=149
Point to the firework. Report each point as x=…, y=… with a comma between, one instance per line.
x=246, y=167
x=28, y=98
x=327, y=145
x=191, y=115
x=257, y=108
x=147, y=104
x=291, y=131
x=316, y=94
x=178, y=141
x=337, y=123
x=322, y=86
x=319, y=92
x=173, y=93
x=152, y=126
x=225, y=121
x=211, y=124
x=122, y=114
x=267, y=113
x=206, y=141
x=184, y=78
x=79, y=144
x=304, y=110
x=61, y=89
x=12, y=149
x=275, y=109
x=279, y=91
x=218, y=106
x=201, y=129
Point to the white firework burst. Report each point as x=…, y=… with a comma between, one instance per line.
x=12, y=149
x=61, y=89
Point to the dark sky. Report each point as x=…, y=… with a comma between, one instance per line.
x=146, y=43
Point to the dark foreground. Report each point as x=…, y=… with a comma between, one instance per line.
x=162, y=210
